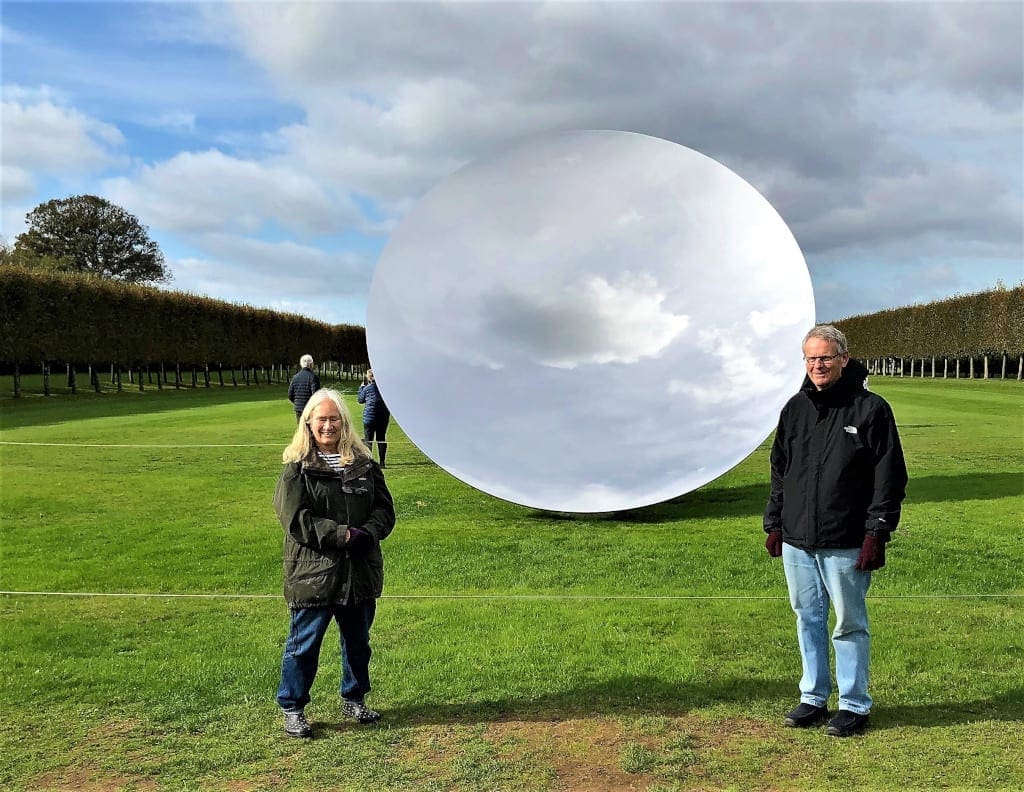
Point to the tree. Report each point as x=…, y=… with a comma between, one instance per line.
x=88, y=234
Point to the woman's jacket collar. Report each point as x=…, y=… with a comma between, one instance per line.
x=313, y=465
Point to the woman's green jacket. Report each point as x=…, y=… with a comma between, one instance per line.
x=316, y=505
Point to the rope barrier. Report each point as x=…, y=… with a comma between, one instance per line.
x=170, y=445
x=502, y=597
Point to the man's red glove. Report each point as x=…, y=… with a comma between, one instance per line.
x=872, y=554
x=773, y=544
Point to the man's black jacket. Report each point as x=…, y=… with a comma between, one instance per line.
x=837, y=466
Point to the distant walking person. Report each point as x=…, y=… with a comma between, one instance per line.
x=376, y=416
x=303, y=385
x=838, y=479
x=335, y=508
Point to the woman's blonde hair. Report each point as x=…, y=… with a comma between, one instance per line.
x=302, y=444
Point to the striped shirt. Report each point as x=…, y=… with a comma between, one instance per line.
x=334, y=460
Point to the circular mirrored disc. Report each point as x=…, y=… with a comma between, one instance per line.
x=589, y=321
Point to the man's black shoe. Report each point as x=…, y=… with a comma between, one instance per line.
x=846, y=724
x=806, y=715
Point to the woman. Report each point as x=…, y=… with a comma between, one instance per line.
x=376, y=416
x=335, y=508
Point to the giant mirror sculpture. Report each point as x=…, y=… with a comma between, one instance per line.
x=589, y=321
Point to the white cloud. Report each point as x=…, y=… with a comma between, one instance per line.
x=743, y=373
x=41, y=137
x=211, y=191
x=593, y=322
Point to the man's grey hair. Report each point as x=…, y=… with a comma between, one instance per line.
x=306, y=361
x=828, y=333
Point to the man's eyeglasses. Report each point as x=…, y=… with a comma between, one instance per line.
x=826, y=359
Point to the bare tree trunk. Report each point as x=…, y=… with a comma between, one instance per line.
x=206, y=375
x=117, y=376
x=220, y=373
x=177, y=376
x=17, y=382
x=142, y=385
x=984, y=359
x=46, y=379
x=1006, y=359
x=945, y=368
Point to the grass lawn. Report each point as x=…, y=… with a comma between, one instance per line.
x=511, y=650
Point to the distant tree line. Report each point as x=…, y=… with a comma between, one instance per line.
x=971, y=335
x=86, y=323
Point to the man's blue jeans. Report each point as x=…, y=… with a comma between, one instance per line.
x=302, y=652
x=816, y=578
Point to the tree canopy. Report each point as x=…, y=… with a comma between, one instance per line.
x=88, y=234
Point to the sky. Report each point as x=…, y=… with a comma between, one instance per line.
x=272, y=148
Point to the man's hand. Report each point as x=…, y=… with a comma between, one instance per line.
x=773, y=544
x=872, y=554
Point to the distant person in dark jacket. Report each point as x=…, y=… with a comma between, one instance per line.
x=303, y=385
x=335, y=508
x=838, y=479
x=376, y=416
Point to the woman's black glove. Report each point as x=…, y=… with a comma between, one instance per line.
x=359, y=541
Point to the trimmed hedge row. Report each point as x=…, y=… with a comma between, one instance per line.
x=82, y=319
x=983, y=324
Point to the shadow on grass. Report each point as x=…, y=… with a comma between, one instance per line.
x=34, y=409
x=1007, y=707
x=749, y=500
x=653, y=697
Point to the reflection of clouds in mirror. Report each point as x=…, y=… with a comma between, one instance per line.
x=594, y=322
x=589, y=322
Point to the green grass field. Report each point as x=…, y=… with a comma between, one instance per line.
x=514, y=649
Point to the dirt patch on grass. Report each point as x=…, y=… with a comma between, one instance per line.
x=89, y=779
x=584, y=754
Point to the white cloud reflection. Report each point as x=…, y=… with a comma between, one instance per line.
x=589, y=321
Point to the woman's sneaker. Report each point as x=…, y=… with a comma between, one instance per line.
x=296, y=725
x=359, y=711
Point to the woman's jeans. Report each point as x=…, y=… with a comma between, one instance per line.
x=814, y=579
x=302, y=652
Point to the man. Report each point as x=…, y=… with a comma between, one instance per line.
x=303, y=385
x=837, y=481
